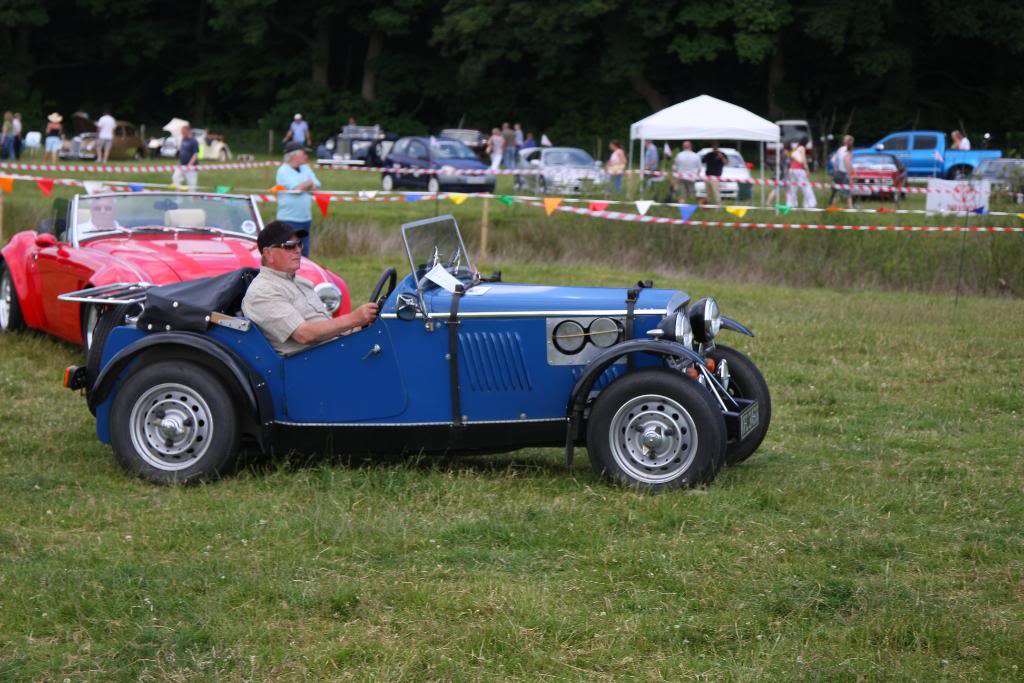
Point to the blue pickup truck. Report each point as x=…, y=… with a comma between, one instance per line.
x=924, y=153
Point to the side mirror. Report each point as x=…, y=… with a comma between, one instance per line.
x=534, y=162
x=45, y=240
x=407, y=307
x=879, y=146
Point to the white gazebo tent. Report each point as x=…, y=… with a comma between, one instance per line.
x=705, y=118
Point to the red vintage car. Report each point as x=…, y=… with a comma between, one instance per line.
x=879, y=176
x=152, y=237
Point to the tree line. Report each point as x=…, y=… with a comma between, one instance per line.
x=578, y=70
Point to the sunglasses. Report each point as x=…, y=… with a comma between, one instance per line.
x=290, y=244
x=102, y=208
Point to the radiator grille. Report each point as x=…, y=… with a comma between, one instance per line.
x=494, y=361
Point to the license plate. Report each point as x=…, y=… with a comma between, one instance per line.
x=749, y=419
x=476, y=179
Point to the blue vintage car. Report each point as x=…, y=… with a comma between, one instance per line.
x=179, y=382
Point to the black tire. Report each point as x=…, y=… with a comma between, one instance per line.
x=11, y=319
x=674, y=410
x=111, y=318
x=745, y=381
x=959, y=173
x=176, y=398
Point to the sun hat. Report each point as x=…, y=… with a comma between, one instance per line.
x=54, y=118
x=298, y=117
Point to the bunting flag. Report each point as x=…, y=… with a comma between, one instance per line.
x=686, y=211
x=1020, y=215
x=45, y=185
x=505, y=199
x=412, y=197
x=643, y=205
x=737, y=211
x=979, y=210
x=222, y=189
x=457, y=197
x=92, y=186
x=833, y=209
x=7, y=184
x=783, y=208
x=367, y=194
x=135, y=187
x=323, y=201
x=277, y=188
x=551, y=203
x=598, y=206
x=882, y=209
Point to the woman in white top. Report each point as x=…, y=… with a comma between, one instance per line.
x=798, y=177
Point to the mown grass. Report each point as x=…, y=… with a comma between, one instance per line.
x=992, y=264
x=876, y=536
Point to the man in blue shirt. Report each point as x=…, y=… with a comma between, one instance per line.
x=295, y=206
x=298, y=131
x=651, y=162
x=188, y=159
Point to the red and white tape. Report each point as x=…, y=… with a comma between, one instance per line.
x=133, y=168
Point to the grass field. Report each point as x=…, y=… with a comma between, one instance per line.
x=876, y=536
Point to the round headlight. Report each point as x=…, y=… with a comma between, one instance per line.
x=675, y=327
x=705, y=319
x=330, y=295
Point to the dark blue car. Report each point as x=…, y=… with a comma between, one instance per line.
x=180, y=383
x=435, y=164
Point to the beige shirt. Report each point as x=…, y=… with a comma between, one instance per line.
x=278, y=303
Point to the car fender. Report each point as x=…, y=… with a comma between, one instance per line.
x=17, y=255
x=251, y=389
x=736, y=326
x=593, y=371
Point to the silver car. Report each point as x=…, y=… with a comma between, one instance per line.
x=561, y=170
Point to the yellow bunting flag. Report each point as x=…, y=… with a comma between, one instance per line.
x=737, y=211
x=457, y=197
x=551, y=203
x=7, y=184
x=1020, y=215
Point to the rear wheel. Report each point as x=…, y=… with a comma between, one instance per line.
x=11, y=319
x=745, y=381
x=387, y=183
x=656, y=430
x=433, y=185
x=174, y=422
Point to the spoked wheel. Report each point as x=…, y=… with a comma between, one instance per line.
x=174, y=422
x=10, y=308
x=90, y=319
x=745, y=381
x=656, y=430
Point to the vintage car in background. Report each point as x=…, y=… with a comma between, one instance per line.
x=127, y=143
x=878, y=175
x=211, y=145
x=152, y=237
x=923, y=153
x=1004, y=176
x=735, y=172
x=561, y=170
x=455, y=363
x=354, y=146
x=434, y=164
x=791, y=131
x=474, y=139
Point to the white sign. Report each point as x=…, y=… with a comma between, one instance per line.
x=957, y=196
x=442, y=278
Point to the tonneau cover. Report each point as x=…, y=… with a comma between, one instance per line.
x=187, y=305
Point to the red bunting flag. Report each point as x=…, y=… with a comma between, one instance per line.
x=323, y=201
x=45, y=185
x=551, y=203
x=598, y=206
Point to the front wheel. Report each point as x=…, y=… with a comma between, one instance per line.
x=174, y=422
x=11, y=319
x=656, y=430
x=387, y=183
x=433, y=185
x=745, y=381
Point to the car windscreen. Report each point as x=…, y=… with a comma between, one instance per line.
x=451, y=149
x=436, y=241
x=143, y=210
x=1000, y=168
x=568, y=157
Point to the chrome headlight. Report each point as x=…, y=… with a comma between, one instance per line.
x=330, y=295
x=705, y=319
x=675, y=327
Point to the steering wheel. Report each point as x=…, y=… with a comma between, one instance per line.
x=378, y=295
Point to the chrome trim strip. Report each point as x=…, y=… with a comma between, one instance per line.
x=537, y=314
x=415, y=424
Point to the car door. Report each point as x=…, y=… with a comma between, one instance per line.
x=419, y=158
x=61, y=270
x=898, y=145
x=925, y=157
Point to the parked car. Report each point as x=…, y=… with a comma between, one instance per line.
x=454, y=364
x=153, y=237
x=474, y=139
x=878, y=175
x=126, y=144
x=443, y=158
x=354, y=146
x=924, y=153
x=1004, y=175
x=211, y=145
x=563, y=170
x=735, y=172
x=790, y=131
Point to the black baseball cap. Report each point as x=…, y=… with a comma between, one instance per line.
x=277, y=232
x=293, y=146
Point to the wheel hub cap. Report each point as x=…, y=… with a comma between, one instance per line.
x=653, y=438
x=171, y=426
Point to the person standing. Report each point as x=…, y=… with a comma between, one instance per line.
x=686, y=168
x=7, y=136
x=798, y=177
x=529, y=142
x=616, y=165
x=298, y=131
x=520, y=139
x=188, y=160
x=295, y=207
x=16, y=131
x=54, y=130
x=105, y=136
x=714, y=163
x=842, y=170
x=495, y=148
x=960, y=141
x=509, y=135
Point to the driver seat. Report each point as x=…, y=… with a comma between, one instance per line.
x=185, y=218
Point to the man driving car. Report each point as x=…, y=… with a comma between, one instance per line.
x=102, y=216
x=284, y=305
